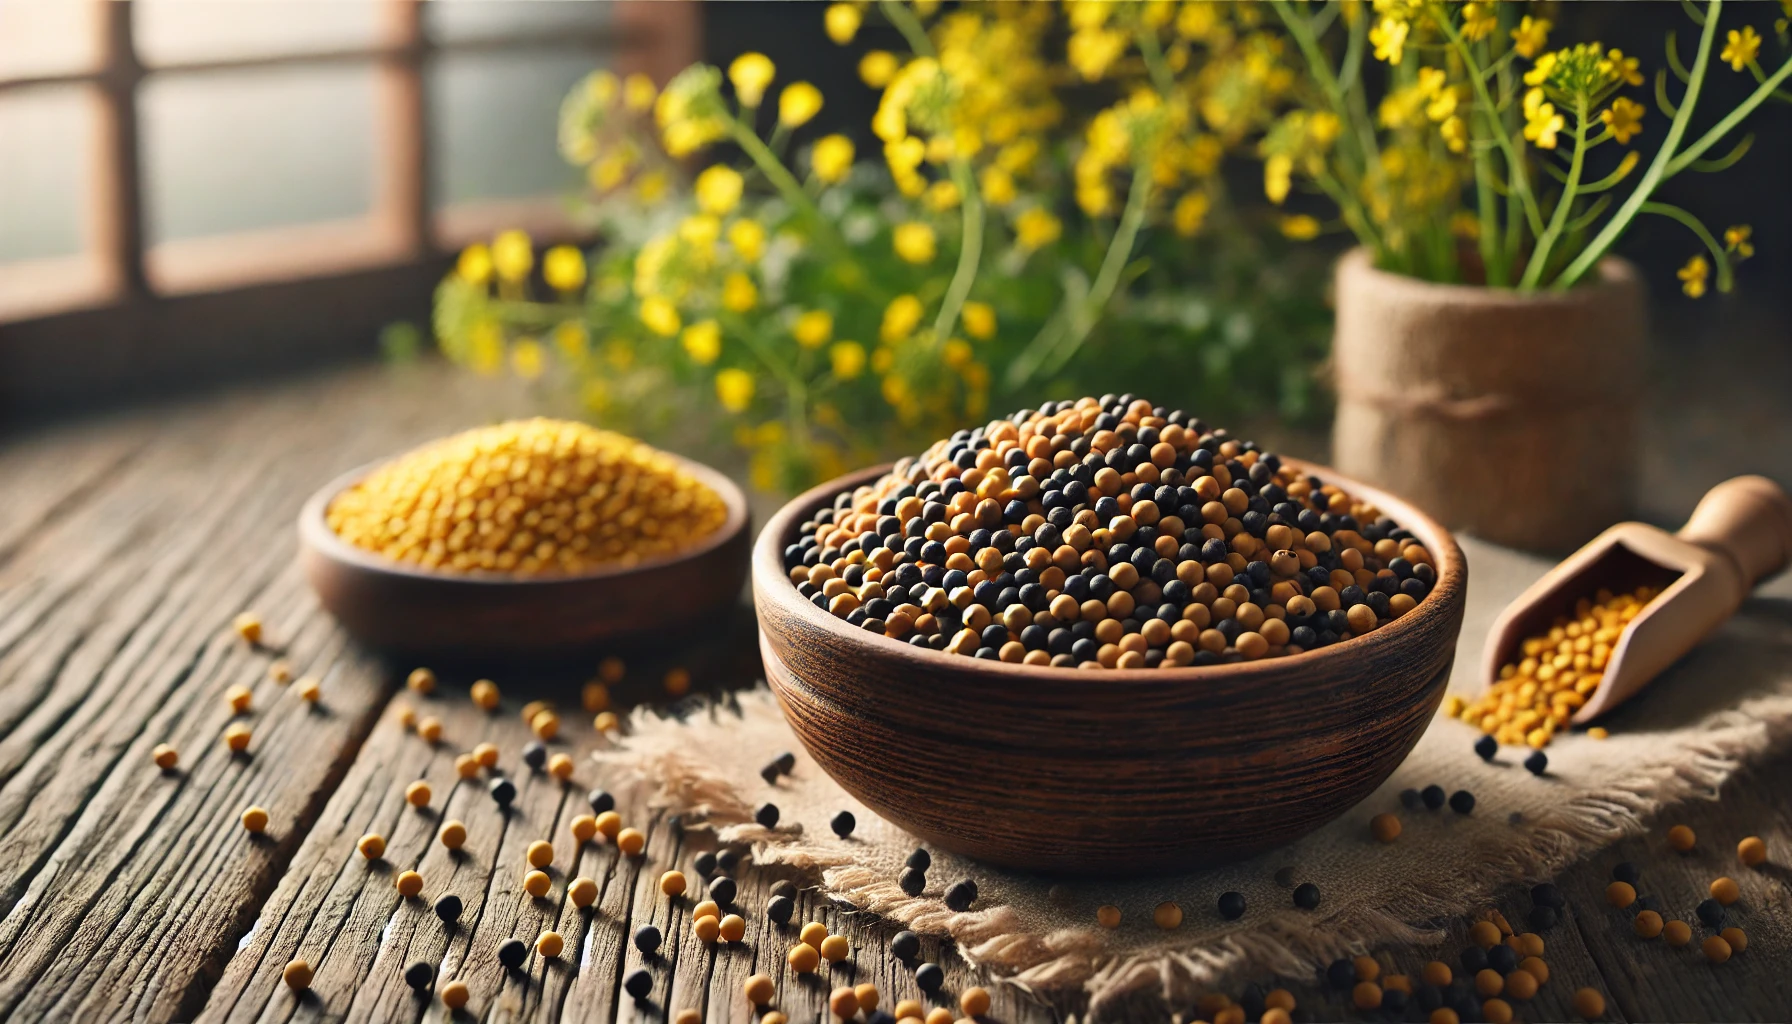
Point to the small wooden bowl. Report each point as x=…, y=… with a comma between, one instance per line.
x=401, y=608
x=1059, y=770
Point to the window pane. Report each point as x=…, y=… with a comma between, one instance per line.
x=229, y=151
x=47, y=143
x=487, y=19
x=38, y=38
x=169, y=31
x=494, y=121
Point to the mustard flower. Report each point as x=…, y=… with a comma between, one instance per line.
x=703, y=341
x=956, y=354
x=1300, y=227
x=734, y=389
x=813, y=328
x=619, y=353
x=1389, y=39
x=527, y=358
x=512, y=255
x=842, y=22
x=941, y=196
x=1743, y=47
x=690, y=112
x=608, y=171
x=747, y=238
x=1092, y=51
x=651, y=187
x=1694, y=275
x=718, y=189
x=998, y=186
x=1479, y=19
x=831, y=158
x=1278, y=177
x=739, y=293
x=979, y=320
x=699, y=232
x=563, y=267
x=1541, y=125
x=572, y=340
x=1737, y=241
x=847, y=359
x=877, y=67
x=602, y=87
x=485, y=347
x=1624, y=69
x=638, y=93
x=751, y=73
x=901, y=317
x=475, y=264
x=1624, y=118
x=1455, y=134
x=1190, y=213
x=1531, y=36
x=914, y=242
x=1036, y=229
x=660, y=316
x=797, y=104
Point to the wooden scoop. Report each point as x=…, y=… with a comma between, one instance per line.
x=1740, y=533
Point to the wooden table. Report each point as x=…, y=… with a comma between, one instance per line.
x=126, y=547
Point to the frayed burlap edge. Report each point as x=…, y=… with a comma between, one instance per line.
x=1284, y=942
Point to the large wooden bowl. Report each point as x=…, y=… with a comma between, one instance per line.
x=402, y=608
x=1058, y=770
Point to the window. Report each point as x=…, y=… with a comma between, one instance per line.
x=155, y=154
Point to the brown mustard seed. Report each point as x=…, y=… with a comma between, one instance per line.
x=867, y=996
x=844, y=1003
x=372, y=846
x=1485, y=934
x=803, y=958
x=549, y=944
x=408, y=883
x=1716, y=949
x=545, y=725
x=540, y=853
x=1108, y=916
x=1385, y=827
x=1647, y=925
x=732, y=928
x=453, y=834
x=421, y=680
x=582, y=892
x=672, y=883
x=247, y=626
x=1496, y=1011
x=164, y=756
x=1681, y=838
x=707, y=929
x=1489, y=983
x=974, y=1001
x=1437, y=973
x=236, y=737
x=238, y=697
x=1676, y=933
x=297, y=975
x=813, y=934
x=455, y=994
x=1752, y=852
x=1443, y=1015
x=1521, y=985
x=1167, y=915
x=1735, y=936
x=1620, y=894
x=631, y=841
x=485, y=694
x=537, y=883
x=1366, y=968
x=1536, y=968
x=1725, y=890
x=835, y=948
x=760, y=990
x=1366, y=995
x=255, y=819
x=1529, y=944
x=417, y=794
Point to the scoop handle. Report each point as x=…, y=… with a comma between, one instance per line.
x=1748, y=518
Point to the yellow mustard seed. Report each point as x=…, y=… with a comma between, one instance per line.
x=1521, y=985
x=1735, y=936
x=1589, y=1003
x=907, y=1008
x=803, y=958
x=706, y=908
x=310, y=690
x=455, y=994
x=707, y=929
x=672, y=883
x=1385, y=827
x=537, y=883
x=528, y=498
x=1620, y=894
x=1108, y=916
x=1485, y=934
x=421, y=680
x=417, y=794
x=760, y=990
x=408, y=884
x=247, y=626
x=732, y=928
x=835, y=948
x=1366, y=995
x=609, y=824
x=867, y=996
x=595, y=697
x=1167, y=915
x=238, y=697
x=407, y=716
x=536, y=707
x=1716, y=949
x=550, y=944
x=688, y=1015
x=1367, y=968
x=1536, y=968
x=1275, y=1015
x=165, y=756
x=1489, y=983
x=1752, y=852
x=236, y=737
x=486, y=754
x=844, y=1003
x=583, y=828
x=372, y=846
x=631, y=841
x=582, y=891
x=540, y=853
x=813, y=933
x=545, y=725
x=560, y=766
x=297, y=975
x=453, y=834
x=429, y=728
x=280, y=671
x=1725, y=890
x=466, y=766
x=1681, y=839
x=485, y=694
x=939, y=1015
x=255, y=819
x=607, y=722
x=1437, y=973
x=1598, y=732
x=1496, y=1011
x=1676, y=933
x=974, y=1001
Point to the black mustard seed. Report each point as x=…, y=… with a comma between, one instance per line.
x=1306, y=895
x=448, y=907
x=905, y=946
x=512, y=953
x=535, y=755
x=1231, y=904
x=1487, y=747
x=779, y=909
x=912, y=881
x=503, y=791
x=1433, y=796
x=1462, y=802
x=1537, y=763
x=647, y=938
x=767, y=815
x=929, y=978
x=419, y=974
x=722, y=890
x=843, y=823
x=639, y=983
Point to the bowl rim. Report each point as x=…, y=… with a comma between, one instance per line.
x=315, y=533
x=1448, y=594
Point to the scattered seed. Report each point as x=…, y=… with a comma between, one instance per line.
x=485, y=694
x=1647, y=924
x=677, y=682
x=780, y=908
x=767, y=815
x=372, y=846
x=448, y=907
x=417, y=794
x=255, y=819
x=733, y=928
x=247, y=626
x=813, y=933
x=1681, y=838
x=1489, y=983
x=905, y=946
x=535, y=755
x=1752, y=852
x=1473, y=959
x=1735, y=937
x=803, y=958
x=912, y=881
x=1725, y=890
x=1167, y=915
x=453, y=834
x=297, y=975
x=843, y=823
x=600, y=801
x=707, y=929
x=1366, y=995
x=961, y=895
x=1535, y=967
x=1625, y=871
x=1676, y=933
x=609, y=824
x=165, y=756
x=1521, y=985
x=1620, y=894
x=408, y=883
x=1496, y=1011
x=421, y=680
x=545, y=725
x=1462, y=802
x=974, y=1001
x=760, y=989
x=236, y=737
x=638, y=984
x=1231, y=904
x=238, y=697
x=706, y=908
x=1341, y=973
x=1484, y=934
x=929, y=978
x=1486, y=747
x=1537, y=763
x=1385, y=827
x=1410, y=799
x=582, y=891
x=631, y=841
x=1716, y=949
x=867, y=996
x=607, y=722
x=407, y=715
x=1711, y=913
x=835, y=948
x=1306, y=896
x=648, y=938
x=1108, y=916
x=1432, y=796
x=466, y=766
x=722, y=890
x=512, y=953
x=537, y=883
x=455, y=994
x=429, y=728
x=503, y=791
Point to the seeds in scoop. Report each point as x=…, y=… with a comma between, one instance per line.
x=929, y=978
x=803, y=958
x=1462, y=802
x=537, y=883
x=582, y=891
x=1108, y=916
x=429, y=728
x=1647, y=924
x=297, y=975
x=455, y=994
x=408, y=883
x=835, y=948
x=1676, y=933
x=485, y=694
x=560, y=766
x=1620, y=894
x=1681, y=838
x=638, y=984
x=421, y=680
x=760, y=989
x=1167, y=915
x=843, y=823
x=1725, y=890
x=255, y=819
x=453, y=834
x=372, y=846
x=974, y=1001
x=1306, y=896
x=164, y=756
x=1385, y=827
x=1231, y=904
x=1736, y=938
x=236, y=737
x=732, y=928
x=1752, y=852
x=1716, y=949
x=448, y=907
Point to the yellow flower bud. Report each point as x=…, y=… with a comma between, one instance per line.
x=739, y=294
x=901, y=317
x=475, y=264
x=1036, y=229
x=1189, y=214
x=1300, y=227
x=941, y=196
x=832, y=158
x=747, y=238
x=998, y=186
x=638, y=93
x=527, y=358
x=751, y=73
x=979, y=320
x=660, y=316
x=842, y=22
x=797, y=104
x=956, y=353
x=877, y=68
x=914, y=242
x=572, y=341
x=512, y=255
x=848, y=359
x=563, y=267
x=718, y=189
x=703, y=341
x=734, y=389
x=814, y=328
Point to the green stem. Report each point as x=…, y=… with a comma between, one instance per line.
x=1533, y=271
x=1493, y=261
x=1152, y=51
x=910, y=26
x=1515, y=171
x=970, y=250
x=1083, y=320
x=1299, y=27
x=1734, y=118
x=1725, y=276
x=1658, y=168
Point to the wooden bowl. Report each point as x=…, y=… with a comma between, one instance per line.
x=1059, y=770
x=402, y=608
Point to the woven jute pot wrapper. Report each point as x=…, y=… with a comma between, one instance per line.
x=1726, y=703
x=1506, y=416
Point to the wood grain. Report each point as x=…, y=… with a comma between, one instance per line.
x=1056, y=770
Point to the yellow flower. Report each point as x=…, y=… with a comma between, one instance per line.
x=877, y=68
x=941, y=196
x=638, y=93
x=1465, y=225
x=601, y=86
x=1036, y=229
x=901, y=317
x=1091, y=51
x=747, y=238
x=1389, y=39
x=563, y=267
x=1531, y=36
x=751, y=73
x=739, y=294
x=979, y=320
x=832, y=158
x=1623, y=68
x=527, y=358
x=718, y=189
x=485, y=347
x=1541, y=125
x=572, y=341
x=799, y=102
x=1624, y=117
x=913, y=242
x=956, y=353
x=619, y=353
x=1736, y=240
x=813, y=328
x=998, y=186
x=734, y=389
x=1742, y=49
x=1455, y=134
x=660, y=316
x=883, y=359
x=848, y=359
x=699, y=232
x=1190, y=213
x=1478, y=20
x=1694, y=274
x=703, y=341
x=842, y=22
x=651, y=187
x=512, y=255
x=1278, y=173
x=608, y=172
x=475, y=264
x=1300, y=227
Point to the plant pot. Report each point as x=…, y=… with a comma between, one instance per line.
x=1509, y=417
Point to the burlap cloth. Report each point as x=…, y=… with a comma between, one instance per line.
x=1728, y=702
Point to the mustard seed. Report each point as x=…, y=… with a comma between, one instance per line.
x=1752, y=852
x=732, y=928
x=813, y=933
x=1521, y=985
x=297, y=975
x=1485, y=934
x=1725, y=890
x=466, y=766
x=248, y=626
x=1341, y=973
x=1681, y=838
x=779, y=909
x=238, y=697
x=1496, y=1011
x=560, y=766
x=1231, y=905
x=236, y=737
x=804, y=958
x=974, y=1001
x=1735, y=937
x=1536, y=968
x=1437, y=973
x=165, y=756
x=255, y=819
x=929, y=978
x=767, y=815
x=1108, y=916
x=1168, y=915
x=455, y=994
x=631, y=841
x=537, y=883
x=722, y=890
x=429, y=728
x=1462, y=802
x=1306, y=896
x=760, y=990
x=1489, y=983
x=535, y=755
x=868, y=998
x=1716, y=949
x=1366, y=995
x=485, y=694
x=448, y=907
x=672, y=883
x=600, y=801
x=1676, y=933
x=582, y=891
x=502, y=791
x=706, y=908
x=1385, y=827
x=372, y=846
x=421, y=680
x=677, y=682
x=1711, y=913
x=453, y=834
x=512, y=953
x=417, y=794
x=408, y=884
x=540, y=853
x=549, y=944
x=834, y=948
x=607, y=722
x=843, y=823
x=609, y=824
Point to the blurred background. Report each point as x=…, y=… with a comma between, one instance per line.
x=195, y=192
